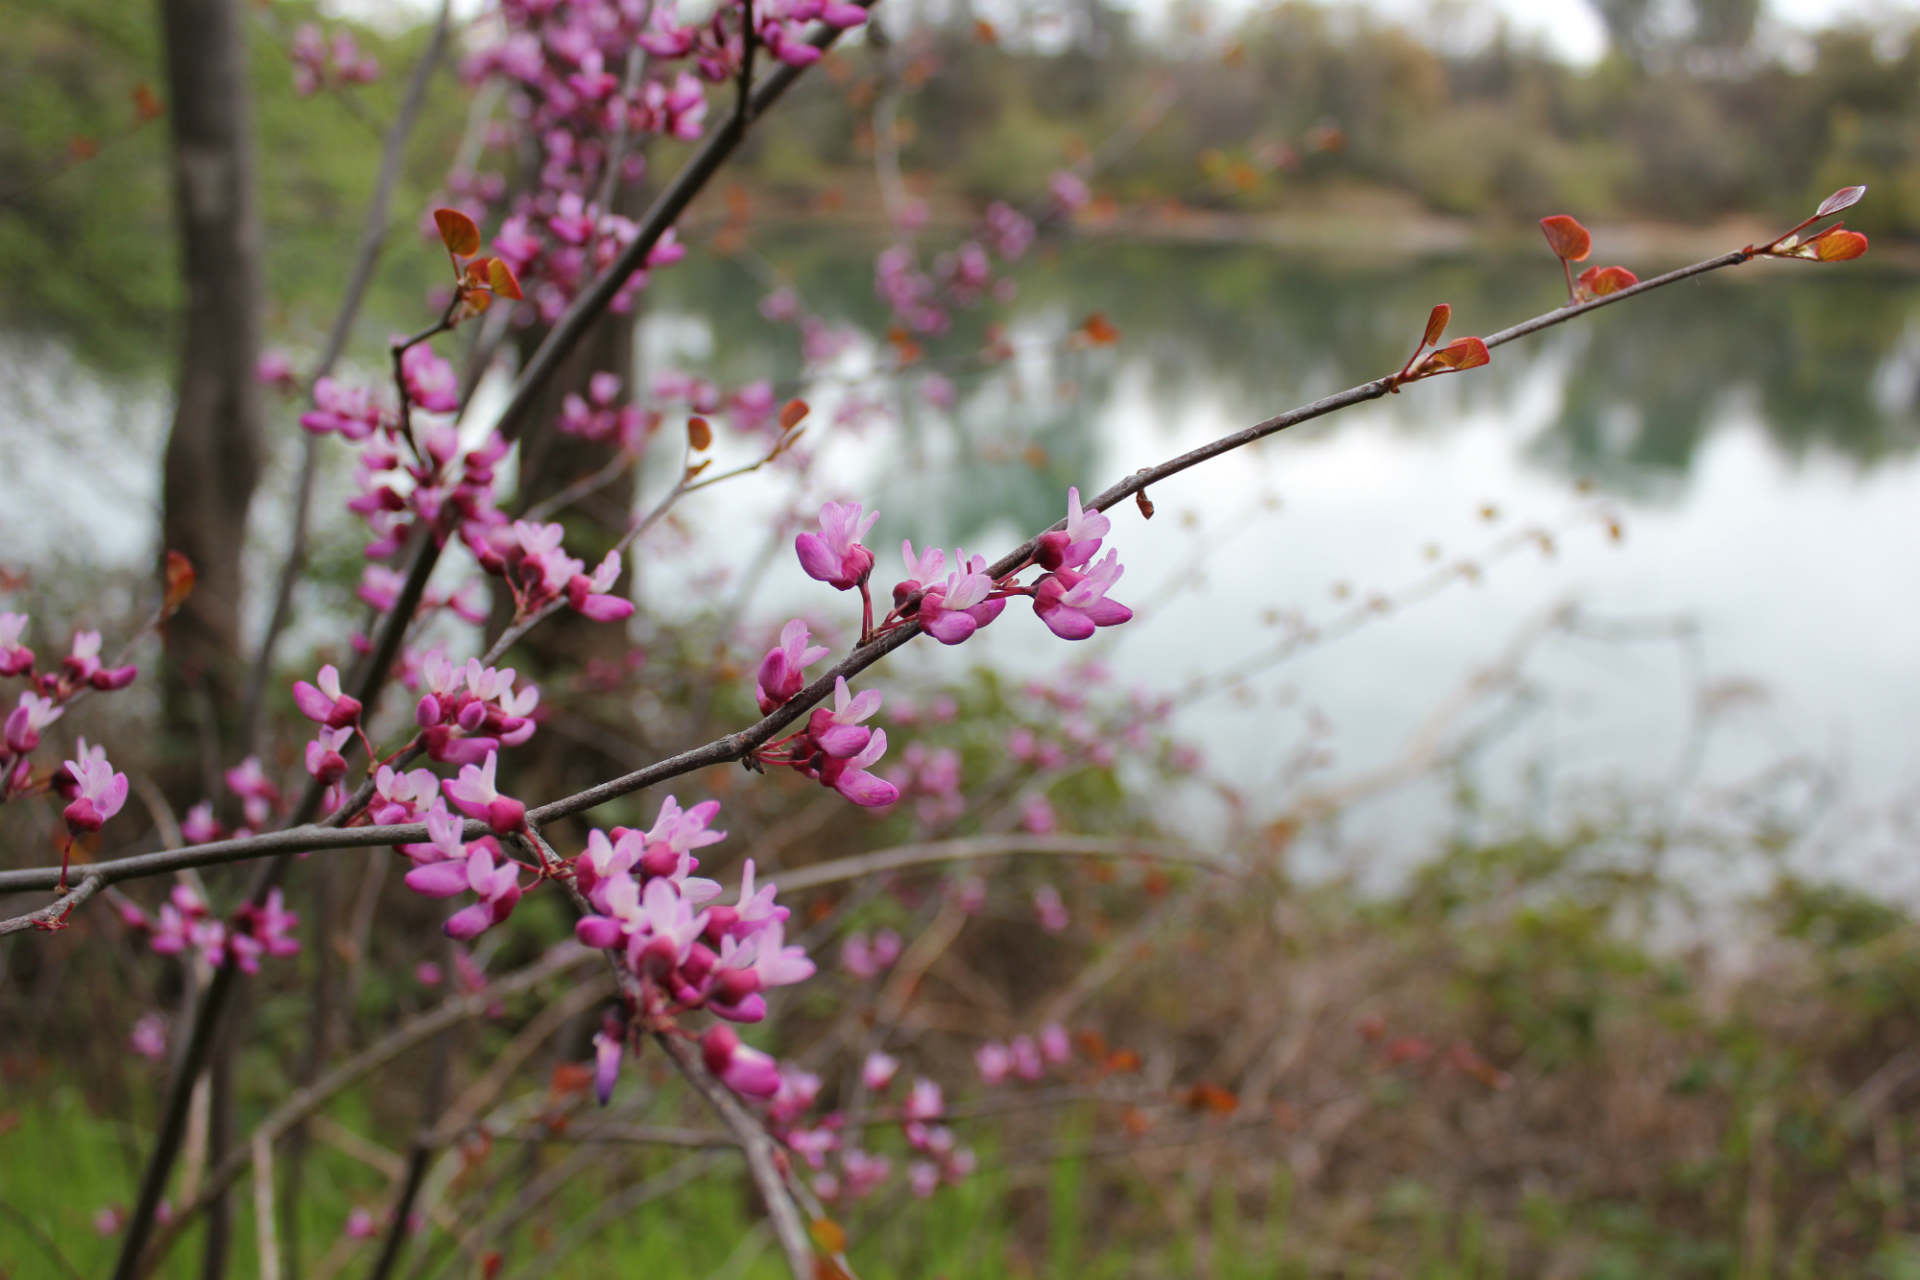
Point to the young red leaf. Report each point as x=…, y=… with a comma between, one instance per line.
x=828, y=1235
x=504, y=282
x=179, y=583
x=1098, y=331
x=1461, y=353
x=1837, y=245
x=1844, y=198
x=1569, y=239
x=792, y=413
x=146, y=104
x=1437, y=324
x=699, y=434
x=1598, y=282
x=457, y=232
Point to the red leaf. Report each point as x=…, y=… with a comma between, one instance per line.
x=1837, y=245
x=179, y=578
x=1211, y=1097
x=828, y=1235
x=1098, y=331
x=504, y=282
x=699, y=434
x=1461, y=353
x=457, y=232
x=1601, y=281
x=983, y=32
x=792, y=413
x=1437, y=324
x=83, y=148
x=1569, y=239
x=146, y=104
x=1844, y=198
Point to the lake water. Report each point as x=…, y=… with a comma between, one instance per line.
x=1752, y=435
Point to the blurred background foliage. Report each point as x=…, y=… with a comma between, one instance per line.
x=1297, y=109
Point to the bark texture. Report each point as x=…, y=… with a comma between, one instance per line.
x=214, y=452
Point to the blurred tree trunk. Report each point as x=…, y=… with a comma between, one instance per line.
x=214, y=452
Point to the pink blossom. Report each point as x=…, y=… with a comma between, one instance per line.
x=108, y=1220
x=993, y=1062
x=359, y=1225
x=15, y=658
x=937, y=390
x=609, y=1047
x=199, y=826
x=744, y=1070
x=324, y=760
x=1051, y=910
x=851, y=779
x=834, y=555
x=923, y=1176
x=864, y=1172
x=588, y=596
x=1026, y=1058
x=953, y=610
x=27, y=720
x=1069, y=189
x=101, y=793
x=475, y=796
x=1078, y=542
x=257, y=793
x=430, y=380
x=1072, y=604
x=336, y=407
x=1055, y=1047
x=263, y=930
x=498, y=889
x=781, y=670
x=149, y=1037
x=878, y=1071
x=274, y=369
x=839, y=732
x=924, y=1102
x=1037, y=816
x=400, y=796
x=326, y=704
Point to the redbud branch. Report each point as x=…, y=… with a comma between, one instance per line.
x=737, y=746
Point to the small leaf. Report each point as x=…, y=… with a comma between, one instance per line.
x=1145, y=504
x=179, y=579
x=83, y=148
x=792, y=413
x=1098, y=331
x=1837, y=245
x=1601, y=281
x=699, y=434
x=500, y=276
x=146, y=104
x=1461, y=353
x=828, y=1235
x=1569, y=239
x=457, y=232
x=1211, y=1097
x=1844, y=198
x=984, y=32
x=1437, y=325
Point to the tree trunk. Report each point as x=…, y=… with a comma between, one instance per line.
x=214, y=453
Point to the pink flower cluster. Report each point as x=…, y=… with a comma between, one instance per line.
x=939, y=1159
x=837, y=749
x=647, y=903
x=1023, y=1057
x=185, y=923
x=595, y=417
x=468, y=713
x=321, y=63
x=447, y=865
x=539, y=572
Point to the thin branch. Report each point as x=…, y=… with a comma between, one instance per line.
x=617, y=1208
x=763, y=1157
